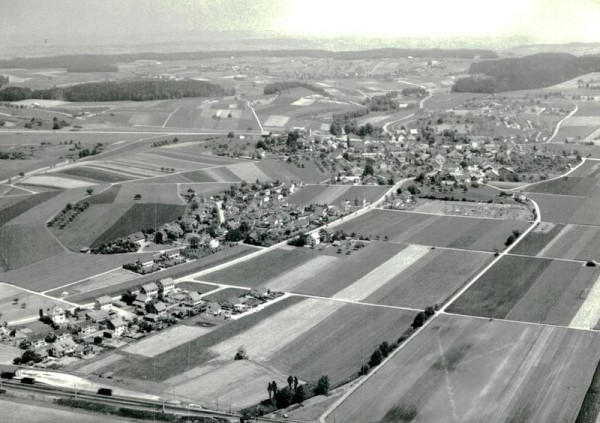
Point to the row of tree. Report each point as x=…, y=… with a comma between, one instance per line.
x=277, y=87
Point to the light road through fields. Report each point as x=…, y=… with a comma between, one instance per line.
x=559, y=124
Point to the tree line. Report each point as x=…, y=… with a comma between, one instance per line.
x=277, y=87
x=141, y=90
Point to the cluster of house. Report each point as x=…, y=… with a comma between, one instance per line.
x=154, y=306
x=162, y=260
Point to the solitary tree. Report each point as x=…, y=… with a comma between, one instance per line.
x=290, y=381
x=322, y=387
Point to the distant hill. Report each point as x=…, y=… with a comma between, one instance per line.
x=578, y=49
x=529, y=72
x=89, y=61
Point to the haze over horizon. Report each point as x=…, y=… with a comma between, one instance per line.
x=439, y=23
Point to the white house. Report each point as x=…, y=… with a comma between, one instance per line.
x=103, y=303
x=58, y=316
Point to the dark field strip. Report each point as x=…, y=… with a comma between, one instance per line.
x=193, y=353
x=174, y=272
x=568, y=185
x=535, y=242
x=140, y=217
x=105, y=197
x=95, y=174
x=590, y=408
x=9, y=213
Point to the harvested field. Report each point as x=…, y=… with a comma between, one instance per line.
x=96, y=174
x=439, y=231
x=588, y=315
x=590, y=408
x=431, y=280
x=60, y=270
x=8, y=353
x=238, y=384
x=338, y=194
x=193, y=152
x=167, y=339
x=557, y=208
x=473, y=370
x=12, y=312
x=104, y=281
x=95, y=365
x=542, y=291
x=55, y=182
x=42, y=413
x=574, y=242
x=382, y=274
x=151, y=193
x=140, y=217
x=22, y=245
x=217, y=174
x=291, y=279
x=90, y=225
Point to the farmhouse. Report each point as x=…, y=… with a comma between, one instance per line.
x=150, y=289
x=103, y=303
x=118, y=326
x=97, y=316
x=58, y=316
x=167, y=285
x=192, y=299
x=213, y=308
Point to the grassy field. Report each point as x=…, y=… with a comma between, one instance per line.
x=537, y=240
x=21, y=245
x=12, y=312
x=140, y=217
x=568, y=209
x=105, y=197
x=431, y=280
x=567, y=185
x=104, y=282
x=290, y=172
x=542, y=291
x=162, y=342
x=466, y=370
x=66, y=268
x=439, y=231
x=225, y=294
x=90, y=225
x=590, y=408
x=337, y=194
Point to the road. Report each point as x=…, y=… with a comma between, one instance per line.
x=559, y=124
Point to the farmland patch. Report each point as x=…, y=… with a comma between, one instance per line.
x=95, y=174
x=21, y=245
x=464, y=369
x=541, y=291
x=167, y=339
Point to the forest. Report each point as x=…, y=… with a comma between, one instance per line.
x=141, y=90
x=277, y=87
x=529, y=72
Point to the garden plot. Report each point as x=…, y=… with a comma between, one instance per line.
x=474, y=370
x=166, y=340
x=13, y=311
x=439, y=231
x=540, y=291
x=55, y=182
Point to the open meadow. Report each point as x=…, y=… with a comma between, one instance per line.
x=338, y=194
x=14, y=311
x=461, y=369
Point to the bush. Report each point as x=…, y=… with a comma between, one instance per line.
x=322, y=387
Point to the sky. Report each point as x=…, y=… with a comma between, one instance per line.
x=543, y=21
